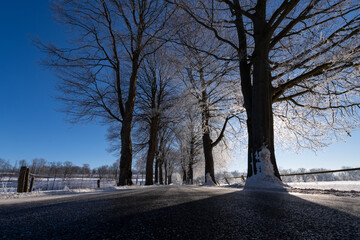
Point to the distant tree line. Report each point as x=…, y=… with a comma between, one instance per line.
x=43, y=168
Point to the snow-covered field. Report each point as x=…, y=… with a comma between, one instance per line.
x=328, y=185
x=47, y=187
x=53, y=194
x=47, y=184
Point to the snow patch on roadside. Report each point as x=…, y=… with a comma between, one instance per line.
x=339, y=193
x=65, y=192
x=337, y=185
x=337, y=188
x=6, y=196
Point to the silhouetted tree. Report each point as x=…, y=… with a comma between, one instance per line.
x=99, y=70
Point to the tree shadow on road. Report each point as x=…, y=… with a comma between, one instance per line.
x=234, y=215
x=242, y=215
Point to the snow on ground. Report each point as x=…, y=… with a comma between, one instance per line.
x=335, y=185
x=209, y=181
x=51, y=194
x=338, y=188
x=265, y=177
x=8, y=185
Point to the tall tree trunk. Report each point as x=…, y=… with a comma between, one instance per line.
x=207, y=142
x=250, y=143
x=184, y=176
x=166, y=172
x=161, y=178
x=126, y=143
x=126, y=155
x=169, y=179
x=156, y=170
x=209, y=159
x=152, y=150
x=246, y=87
x=262, y=152
x=190, y=174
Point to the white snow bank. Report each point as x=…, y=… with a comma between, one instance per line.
x=209, y=181
x=58, y=193
x=337, y=188
x=264, y=177
x=328, y=185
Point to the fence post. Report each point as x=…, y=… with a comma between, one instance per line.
x=21, y=179
x=31, y=184
x=26, y=180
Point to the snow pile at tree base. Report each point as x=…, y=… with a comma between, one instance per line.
x=209, y=181
x=261, y=181
x=264, y=177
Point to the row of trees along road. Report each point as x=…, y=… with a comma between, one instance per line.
x=288, y=64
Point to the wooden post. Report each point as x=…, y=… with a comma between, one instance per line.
x=31, y=184
x=98, y=183
x=26, y=180
x=21, y=179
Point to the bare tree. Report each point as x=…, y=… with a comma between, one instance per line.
x=4, y=165
x=85, y=170
x=155, y=92
x=37, y=165
x=293, y=56
x=164, y=163
x=210, y=82
x=140, y=167
x=103, y=171
x=114, y=170
x=5, y=168
x=188, y=135
x=23, y=163
x=55, y=170
x=171, y=162
x=99, y=71
x=67, y=169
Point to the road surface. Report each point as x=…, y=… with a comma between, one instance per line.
x=182, y=213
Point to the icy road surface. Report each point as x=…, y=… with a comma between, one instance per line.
x=181, y=213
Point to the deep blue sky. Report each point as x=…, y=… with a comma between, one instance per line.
x=30, y=124
x=32, y=127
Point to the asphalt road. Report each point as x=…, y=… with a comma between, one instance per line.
x=183, y=213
